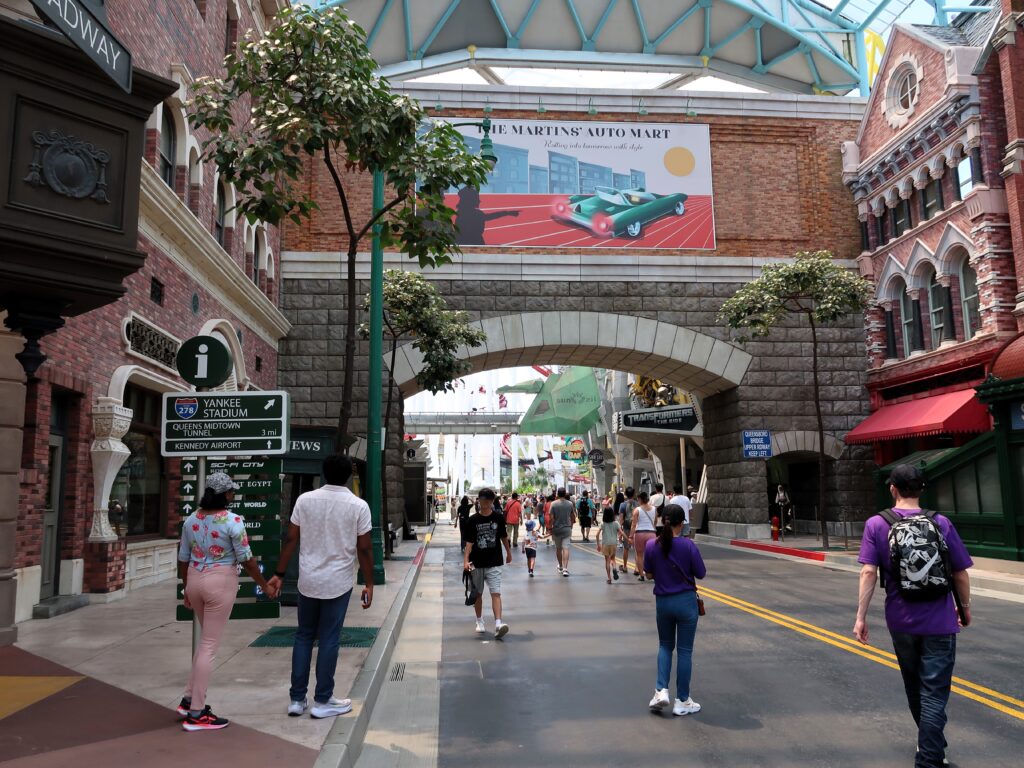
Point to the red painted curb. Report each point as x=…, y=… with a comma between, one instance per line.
x=419, y=555
x=819, y=556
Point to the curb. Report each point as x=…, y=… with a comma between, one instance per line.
x=982, y=583
x=344, y=742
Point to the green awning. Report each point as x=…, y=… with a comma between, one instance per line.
x=919, y=459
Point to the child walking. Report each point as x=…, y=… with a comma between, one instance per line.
x=607, y=543
x=530, y=542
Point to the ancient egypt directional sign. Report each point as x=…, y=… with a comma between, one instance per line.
x=84, y=23
x=224, y=424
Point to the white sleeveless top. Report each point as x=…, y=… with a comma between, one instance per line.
x=645, y=520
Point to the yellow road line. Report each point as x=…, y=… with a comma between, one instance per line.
x=960, y=686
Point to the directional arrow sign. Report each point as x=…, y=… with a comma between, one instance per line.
x=187, y=487
x=269, y=507
x=186, y=509
x=188, y=467
x=224, y=424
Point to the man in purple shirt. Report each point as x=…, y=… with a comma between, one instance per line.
x=923, y=633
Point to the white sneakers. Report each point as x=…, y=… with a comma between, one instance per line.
x=331, y=708
x=480, y=628
x=688, y=707
x=660, y=700
x=297, y=708
x=500, y=629
x=565, y=573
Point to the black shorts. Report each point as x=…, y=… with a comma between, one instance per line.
x=530, y=552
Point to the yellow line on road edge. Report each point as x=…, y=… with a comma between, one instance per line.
x=836, y=640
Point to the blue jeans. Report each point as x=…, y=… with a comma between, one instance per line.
x=319, y=620
x=677, y=626
x=926, y=663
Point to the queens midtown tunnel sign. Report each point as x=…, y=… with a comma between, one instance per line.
x=224, y=424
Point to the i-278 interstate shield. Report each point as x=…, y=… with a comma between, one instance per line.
x=224, y=424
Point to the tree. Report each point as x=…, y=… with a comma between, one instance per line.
x=813, y=286
x=314, y=96
x=414, y=309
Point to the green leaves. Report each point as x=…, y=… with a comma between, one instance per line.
x=813, y=284
x=413, y=308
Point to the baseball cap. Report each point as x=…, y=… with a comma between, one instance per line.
x=219, y=482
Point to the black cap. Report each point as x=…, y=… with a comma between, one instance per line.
x=485, y=493
x=908, y=479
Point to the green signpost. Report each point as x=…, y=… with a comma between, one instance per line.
x=233, y=428
x=224, y=424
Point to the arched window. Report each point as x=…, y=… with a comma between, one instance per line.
x=168, y=147
x=906, y=320
x=219, y=216
x=936, y=309
x=259, y=254
x=969, y=300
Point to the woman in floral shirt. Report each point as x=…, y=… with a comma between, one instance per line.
x=213, y=545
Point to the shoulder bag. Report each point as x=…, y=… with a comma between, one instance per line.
x=700, y=600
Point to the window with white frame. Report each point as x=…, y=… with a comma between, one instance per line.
x=220, y=215
x=168, y=147
x=969, y=299
x=931, y=199
x=964, y=177
x=906, y=319
x=936, y=309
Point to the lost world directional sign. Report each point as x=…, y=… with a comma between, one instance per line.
x=224, y=424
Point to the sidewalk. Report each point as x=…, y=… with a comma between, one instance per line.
x=77, y=669
x=1003, y=579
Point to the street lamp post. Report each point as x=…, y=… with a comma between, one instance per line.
x=374, y=429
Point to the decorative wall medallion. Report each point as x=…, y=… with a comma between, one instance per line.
x=69, y=166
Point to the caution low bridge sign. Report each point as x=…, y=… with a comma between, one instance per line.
x=224, y=424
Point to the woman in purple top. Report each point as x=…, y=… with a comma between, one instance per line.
x=674, y=563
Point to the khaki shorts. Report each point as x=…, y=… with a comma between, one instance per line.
x=608, y=550
x=562, y=539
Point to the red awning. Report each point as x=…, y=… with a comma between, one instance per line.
x=936, y=415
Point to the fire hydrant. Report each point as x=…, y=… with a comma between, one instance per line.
x=775, y=528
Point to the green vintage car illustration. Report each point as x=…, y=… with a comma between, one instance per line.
x=612, y=212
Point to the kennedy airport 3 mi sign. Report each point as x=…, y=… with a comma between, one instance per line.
x=224, y=424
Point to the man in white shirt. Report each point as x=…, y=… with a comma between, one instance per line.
x=678, y=497
x=336, y=525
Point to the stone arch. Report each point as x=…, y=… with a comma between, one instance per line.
x=686, y=358
x=887, y=281
x=947, y=252
x=222, y=329
x=230, y=200
x=195, y=166
x=921, y=258
x=152, y=380
x=805, y=441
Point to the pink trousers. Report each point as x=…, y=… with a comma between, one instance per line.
x=212, y=594
x=640, y=539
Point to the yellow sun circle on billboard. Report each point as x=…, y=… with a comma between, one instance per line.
x=679, y=161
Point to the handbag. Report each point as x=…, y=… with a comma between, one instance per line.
x=472, y=593
x=700, y=600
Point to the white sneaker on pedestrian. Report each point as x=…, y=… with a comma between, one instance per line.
x=688, y=707
x=945, y=760
x=480, y=628
x=296, y=708
x=566, y=573
x=558, y=568
x=500, y=629
x=332, y=708
x=660, y=700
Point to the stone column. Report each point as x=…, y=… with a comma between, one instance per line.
x=110, y=421
x=948, y=321
x=12, y=418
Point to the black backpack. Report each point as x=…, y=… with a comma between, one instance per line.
x=919, y=556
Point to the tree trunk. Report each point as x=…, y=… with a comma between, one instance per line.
x=388, y=549
x=821, y=435
x=345, y=411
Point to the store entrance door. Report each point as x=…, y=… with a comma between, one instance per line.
x=52, y=512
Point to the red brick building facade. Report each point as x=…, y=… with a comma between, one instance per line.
x=927, y=175
x=95, y=403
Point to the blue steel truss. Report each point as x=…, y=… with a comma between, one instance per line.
x=788, y=45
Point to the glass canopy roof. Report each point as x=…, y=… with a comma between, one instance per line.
x=801, y=46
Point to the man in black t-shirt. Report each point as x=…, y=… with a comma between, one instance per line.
x=485, y=534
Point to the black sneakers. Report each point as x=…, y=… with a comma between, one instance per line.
x=204, y=721
x=183, y=706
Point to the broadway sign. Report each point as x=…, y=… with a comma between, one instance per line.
x=84, y=23
x=590, y=184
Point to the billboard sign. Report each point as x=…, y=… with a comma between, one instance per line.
x=590, y=184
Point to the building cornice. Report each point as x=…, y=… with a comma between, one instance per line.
x=167, y=222
x=617, y=104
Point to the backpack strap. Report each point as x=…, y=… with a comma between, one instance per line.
x=889, y=516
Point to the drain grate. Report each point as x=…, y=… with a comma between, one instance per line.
x=402, y=558
x=284, y=637
x=397, y=672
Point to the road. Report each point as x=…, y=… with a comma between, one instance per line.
x=570, y=683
